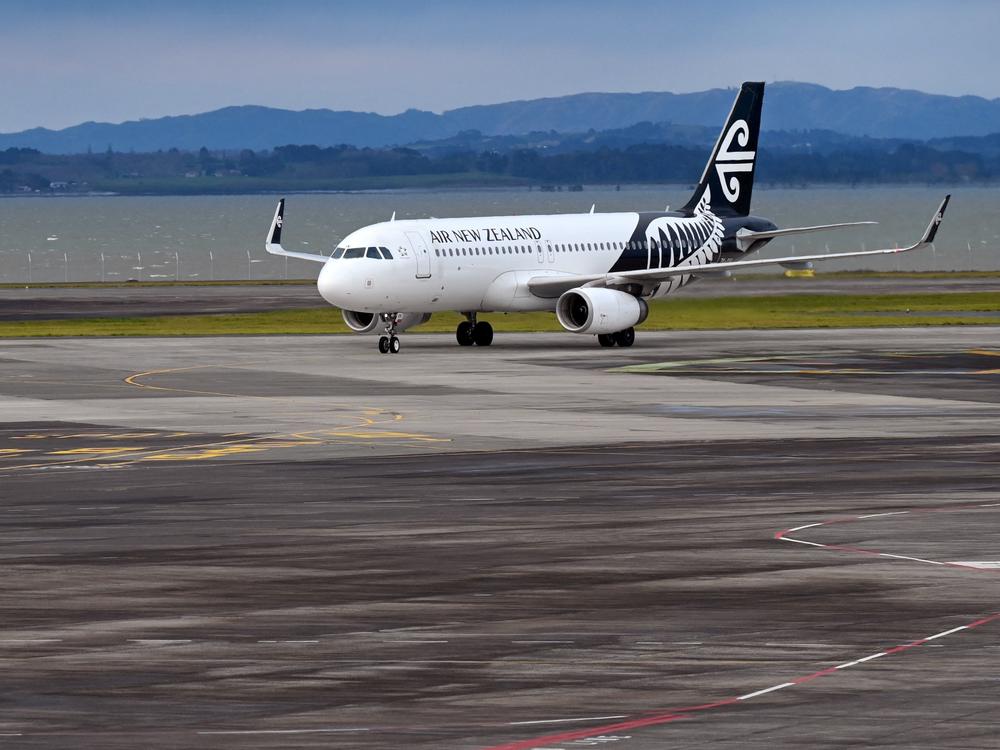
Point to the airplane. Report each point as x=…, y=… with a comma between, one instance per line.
x=596, y=271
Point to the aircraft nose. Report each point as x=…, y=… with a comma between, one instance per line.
x=332, y=284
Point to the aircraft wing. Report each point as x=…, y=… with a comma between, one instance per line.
x=745, y=238
x=552, y=286
x=273, y=243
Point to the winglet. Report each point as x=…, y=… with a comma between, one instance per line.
x=274, y=236
x=932, y=228
x=273, y=243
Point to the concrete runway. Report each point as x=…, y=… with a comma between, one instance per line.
x=734, y=539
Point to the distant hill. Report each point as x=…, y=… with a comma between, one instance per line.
x=873, y=112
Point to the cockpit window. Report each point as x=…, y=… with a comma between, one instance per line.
x=385, y=253
x=337, y=253
x=354, y=252
x=374, y=253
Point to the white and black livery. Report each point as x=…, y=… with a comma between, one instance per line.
x=596, y=271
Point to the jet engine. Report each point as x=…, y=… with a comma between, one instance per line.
x=361, y=322
x=364, y=322
x=597, y=310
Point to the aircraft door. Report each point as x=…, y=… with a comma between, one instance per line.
x=422, y=253
x=540, y=253
x=550, y=252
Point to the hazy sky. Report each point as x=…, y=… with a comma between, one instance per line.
x=67, y=61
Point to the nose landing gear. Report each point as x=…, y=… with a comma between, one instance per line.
x=470, y=332
x=389, y=343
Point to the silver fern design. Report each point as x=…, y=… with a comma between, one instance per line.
x=678, y=242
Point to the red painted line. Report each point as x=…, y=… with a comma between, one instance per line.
x=814, y=675
x=580, y=734
x=686, y=713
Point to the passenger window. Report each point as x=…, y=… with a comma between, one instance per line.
x=354, y=252
x=337, y=253
x=385, y=253
x=437, y=252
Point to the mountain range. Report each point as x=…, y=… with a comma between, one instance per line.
x=885, y=113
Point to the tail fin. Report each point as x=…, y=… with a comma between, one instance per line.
x=728, y=177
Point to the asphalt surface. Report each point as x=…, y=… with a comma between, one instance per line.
x=297, y=542
x=61, y=303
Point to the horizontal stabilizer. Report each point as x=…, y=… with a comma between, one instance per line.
x=745, y=238
x=273, y=243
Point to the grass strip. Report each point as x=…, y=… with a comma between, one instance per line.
x=722, y=313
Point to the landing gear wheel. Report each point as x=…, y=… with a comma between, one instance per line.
x=394, y=344
x=626, y=337
x=464, y=334
x=606, y=339
x=383, y=345
x=482, y=334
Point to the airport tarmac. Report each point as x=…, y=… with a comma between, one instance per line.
x=729, y=539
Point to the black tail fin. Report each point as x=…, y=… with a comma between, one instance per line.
x=728, y=176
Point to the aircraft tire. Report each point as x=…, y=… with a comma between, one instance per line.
x=482, y=334
x=383, y=344
x=606, y=339
x=625, y=338
x=394, y=344
x=463, y=334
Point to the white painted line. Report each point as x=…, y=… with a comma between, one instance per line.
x=807, y=526
x=282, y=731
x=913, y=559
x=882, y=515
x=869, y=658
x=300, y=641
x=947, y=632
x=802, y=541
x=990, y=505
x=979, y=564
x=748, y=696
x=564, y=721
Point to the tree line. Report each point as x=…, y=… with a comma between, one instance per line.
x=285, y=167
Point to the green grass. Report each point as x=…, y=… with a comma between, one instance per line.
x=778, y=311
x=134, y=284
x=747, y=277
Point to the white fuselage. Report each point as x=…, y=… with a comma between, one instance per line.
x=485, y=263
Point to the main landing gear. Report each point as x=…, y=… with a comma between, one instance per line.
x=622, y=338
x=389, y=343
x=470, y=332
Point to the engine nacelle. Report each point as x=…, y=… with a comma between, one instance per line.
x=596, y=310
x=363, y=322
x=409, y=320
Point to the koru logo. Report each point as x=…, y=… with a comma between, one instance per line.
x=277, y=222
x=729, y=162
